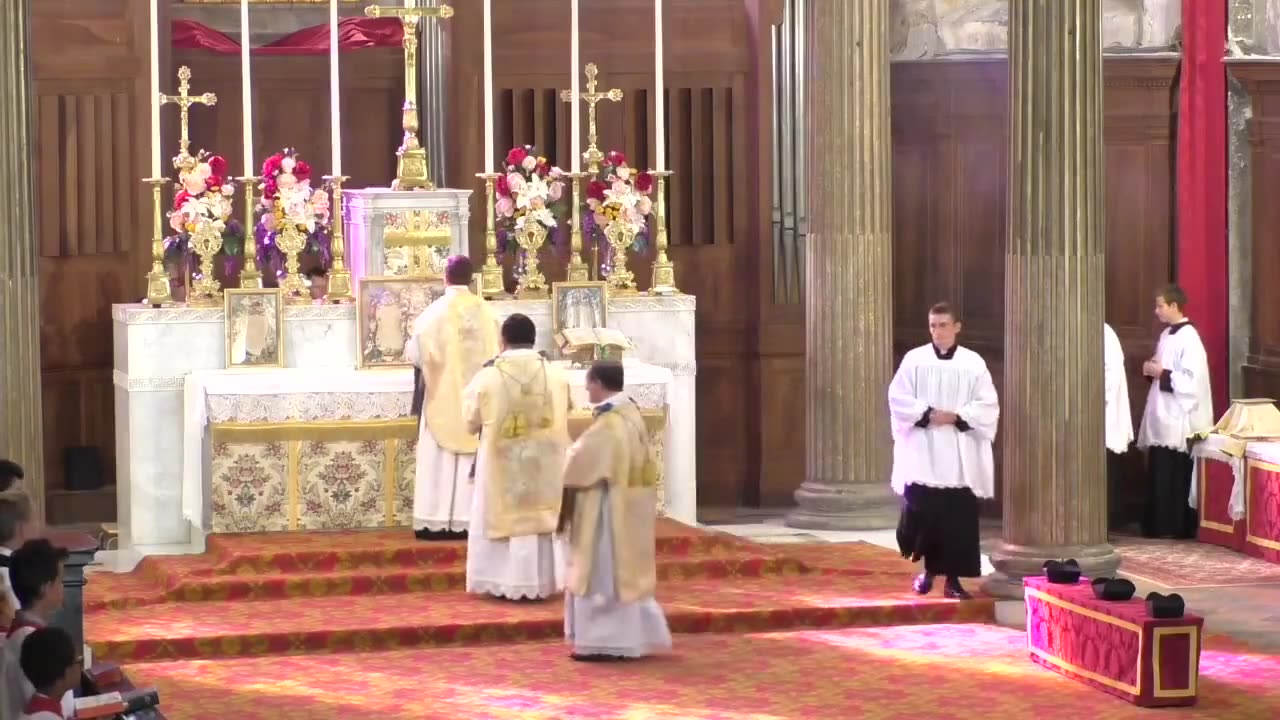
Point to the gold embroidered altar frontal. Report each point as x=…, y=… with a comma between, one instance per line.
x=272, y=477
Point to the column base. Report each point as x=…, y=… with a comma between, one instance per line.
x=1012, y=563
x=852, y=506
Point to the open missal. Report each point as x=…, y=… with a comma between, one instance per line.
x=586, y=344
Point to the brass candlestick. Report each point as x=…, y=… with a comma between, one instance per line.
x=491, y=273
x=664, y=271
x=157, y=280
x=250, y=275
x=578, y=270
x=339, y=276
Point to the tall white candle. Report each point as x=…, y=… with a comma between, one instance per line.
x=489, y=165
x=575, y=88
x=155, y=89
x=659, y=101
x=335, y=110
x=246, y=87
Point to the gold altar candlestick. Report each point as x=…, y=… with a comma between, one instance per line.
x=157, y=280
x=411, y=157
x=578, y=270
x=339, y=276
x=491, y=285
x=250, y=275
x=664, y=271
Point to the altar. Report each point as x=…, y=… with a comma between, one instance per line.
x=177, y=406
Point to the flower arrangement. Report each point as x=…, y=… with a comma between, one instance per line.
x=288, y=199
x=203, y=196
x=529, y=189
x=618, y=194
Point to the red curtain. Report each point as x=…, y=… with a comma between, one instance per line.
x=353, y=34
x=1201, y=250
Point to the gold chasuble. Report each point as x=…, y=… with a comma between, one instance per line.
x=520, y=407
x=457, y=335
x=614, y=453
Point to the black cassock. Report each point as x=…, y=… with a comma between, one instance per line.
x=940, y=526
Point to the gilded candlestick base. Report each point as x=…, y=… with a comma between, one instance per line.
x=250, y=275
x=664, y=271
x=664, y=279
x=339, y=277
x=158, y=291
x=578, y=270
x=411, y=170
x=491, y=285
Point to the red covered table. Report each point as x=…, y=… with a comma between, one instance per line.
x=1219, y=476
x=1262, y=501
x=1113, y=646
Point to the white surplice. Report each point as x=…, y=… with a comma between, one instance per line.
x=1119, y=416
x=18, y=688
x=1179, y=405
x=598, y=621
x=522, y=566
x=442, y=478
x=942, y=456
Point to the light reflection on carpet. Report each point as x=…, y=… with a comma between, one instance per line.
x=905, y=671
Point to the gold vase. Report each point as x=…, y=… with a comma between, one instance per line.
x=530, y=239
x=206, y=241
x=620, y=236
x=292, y=241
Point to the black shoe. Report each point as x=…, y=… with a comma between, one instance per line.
x=954, y=591
x=923, y=584
x=439, y=535
x=596, y=658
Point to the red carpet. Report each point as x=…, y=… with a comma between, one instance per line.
x=931, y=671
x=292, y=593
x=1190, y=564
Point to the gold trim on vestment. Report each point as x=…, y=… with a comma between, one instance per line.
x=405, y=428
x=292, y=480
x=655, y=420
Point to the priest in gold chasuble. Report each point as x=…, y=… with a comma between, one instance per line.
x=610, y=610
x=452, y=340
x=519, y=404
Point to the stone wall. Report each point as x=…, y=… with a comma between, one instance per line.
x=931, y=28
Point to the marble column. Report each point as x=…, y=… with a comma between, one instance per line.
x=848, y=270
x=21, y=439
x=1055, y=488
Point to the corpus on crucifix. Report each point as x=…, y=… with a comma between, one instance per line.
x=593, y=155
x=184, y=100
x=411, y=158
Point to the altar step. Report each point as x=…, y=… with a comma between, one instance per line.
x=441, y=573
x=170, y=631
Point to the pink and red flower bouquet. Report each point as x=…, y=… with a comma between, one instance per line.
x=528, y=189
x=618, y=193
x=288, y=199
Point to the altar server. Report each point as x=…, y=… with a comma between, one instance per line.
x=1119, y=420
x=36, y=574
x=452, y=339
x=610, y=610
x=1179, y=407
x=944, y=412
x=50, y=662
x=519, y=405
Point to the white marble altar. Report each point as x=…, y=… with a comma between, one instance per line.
x=369, y=213
x=155, y=350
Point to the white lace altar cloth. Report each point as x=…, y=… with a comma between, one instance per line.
x=294, y=395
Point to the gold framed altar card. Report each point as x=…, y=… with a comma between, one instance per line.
x=579, y=305
x=386, y=307
x=254, y=327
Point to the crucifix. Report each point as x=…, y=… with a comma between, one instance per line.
x=593, y=156
x=411, y=158
x=184, y=100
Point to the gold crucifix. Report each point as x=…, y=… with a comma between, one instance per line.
x=184, y=100
x=411, y=158
x=593, y=156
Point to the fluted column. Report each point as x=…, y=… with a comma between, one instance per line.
x=848, y=270
x=20, y=427
x=1055, y=488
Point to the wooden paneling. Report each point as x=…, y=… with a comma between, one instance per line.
x=89, y=62
x=1262, y=365
x=950, y=194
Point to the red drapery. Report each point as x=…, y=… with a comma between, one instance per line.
x=353, y=34
x=1202, y=183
